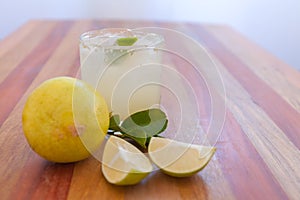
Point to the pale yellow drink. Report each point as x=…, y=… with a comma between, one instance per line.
x=127, y=76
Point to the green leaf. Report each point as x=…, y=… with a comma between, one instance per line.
x=126, y=41
x=137, y=135
x=140, y=126
x=151, y=122
x=114, y=122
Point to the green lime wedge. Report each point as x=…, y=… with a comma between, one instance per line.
x=123, y=163
x=179, y=159
x=129, y=41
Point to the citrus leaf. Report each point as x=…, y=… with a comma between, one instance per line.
x=114, y=122
x=137, y=135
x=151, y=122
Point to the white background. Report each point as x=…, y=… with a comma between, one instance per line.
x=273, y=24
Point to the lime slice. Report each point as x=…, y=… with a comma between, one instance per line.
x=123, y=163
x=177, y=158
x=126, y=41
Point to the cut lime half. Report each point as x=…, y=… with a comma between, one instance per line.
x=123, y=163
x=177, y=158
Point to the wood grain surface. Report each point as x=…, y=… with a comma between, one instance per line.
x=257, y=154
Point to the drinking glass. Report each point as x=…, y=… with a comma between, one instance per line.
x=126, y=75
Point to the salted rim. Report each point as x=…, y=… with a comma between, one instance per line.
x=109, y=33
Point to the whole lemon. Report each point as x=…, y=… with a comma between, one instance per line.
x=64, y=119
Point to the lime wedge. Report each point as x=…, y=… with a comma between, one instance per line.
x=123, y=163
x=126, y=41
x=177, y=158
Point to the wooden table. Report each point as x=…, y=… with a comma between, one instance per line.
x=258, y=153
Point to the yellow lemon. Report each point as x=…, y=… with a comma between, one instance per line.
x=64, y=119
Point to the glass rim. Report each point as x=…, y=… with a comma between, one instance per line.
x=108, y=33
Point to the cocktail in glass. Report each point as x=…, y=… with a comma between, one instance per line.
x=124, y=66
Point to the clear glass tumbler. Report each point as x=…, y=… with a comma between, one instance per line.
x=124, y=66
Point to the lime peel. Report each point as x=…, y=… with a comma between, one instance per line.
x=129, y=41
